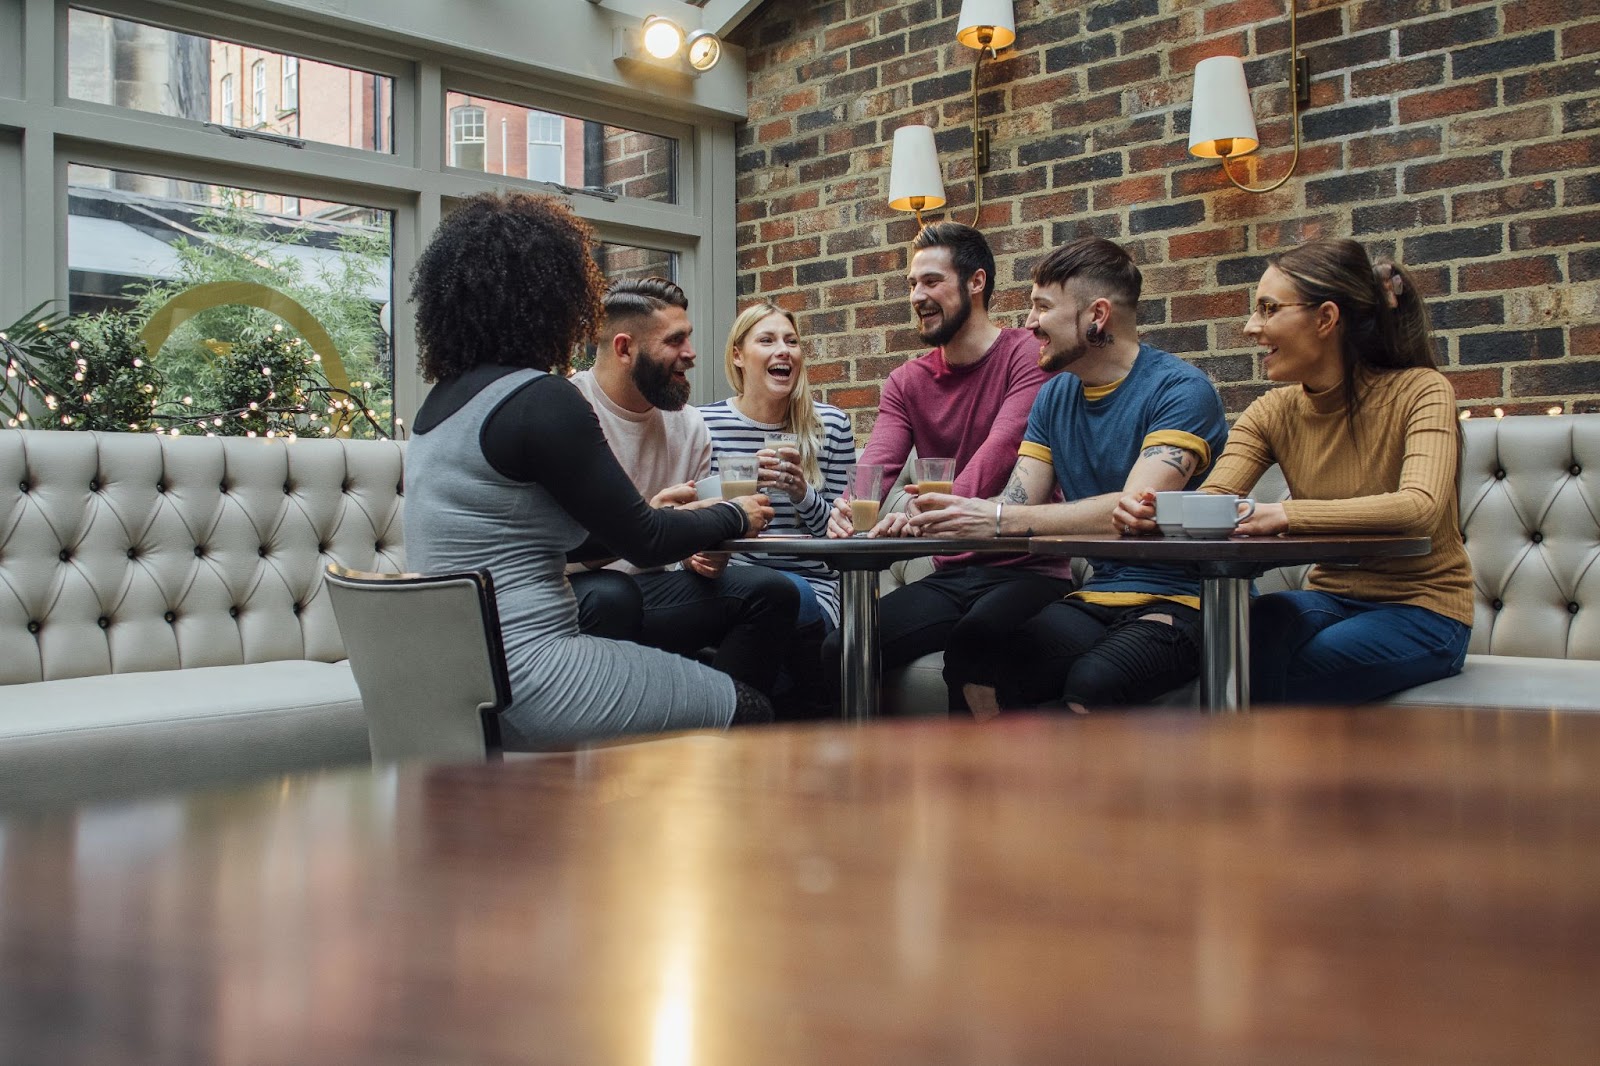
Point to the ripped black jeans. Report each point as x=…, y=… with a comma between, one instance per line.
x=1090, y=654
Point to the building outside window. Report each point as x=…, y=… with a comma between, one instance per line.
x=547, y=156
x=468, y=137
x=258, y=91
x=291, y=84
x=230, y=103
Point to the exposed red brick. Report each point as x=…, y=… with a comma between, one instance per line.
x=777, y=229
x=827, y=373
x=1206, y=242
x=1379, y=148
x=1497, y=203
x=860, y=396
x=1522, y=15
x=1571, y=153
x=846, y=35
x=1510, y=274
x=1184, y=58
x=1205, y=307
x=1241, y=13
x=853, y=292
x=1130, y=191
x=1485, y=384
x=1580, y=40
x=1454, y=100
x=1584, y=340
x=795, y=251
x=772, y=132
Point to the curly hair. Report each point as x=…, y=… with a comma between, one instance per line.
x=506, y=279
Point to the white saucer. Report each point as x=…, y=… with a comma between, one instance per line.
x=1209, y=532
x=1170, y=529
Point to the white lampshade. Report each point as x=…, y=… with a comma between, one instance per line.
x=914, y=170
x=1220, y=110
x=992, y=15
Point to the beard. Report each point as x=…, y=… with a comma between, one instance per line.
x=1060, y=360
x=949, y=325
x=654, y=382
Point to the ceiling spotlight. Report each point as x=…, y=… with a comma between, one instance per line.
x=663, y=38
x=704, y=50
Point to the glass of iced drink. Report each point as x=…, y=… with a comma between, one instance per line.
x=738, y=476
x=866, y=489
x=935, y=475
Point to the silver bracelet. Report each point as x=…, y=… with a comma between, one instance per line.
x=999, y=506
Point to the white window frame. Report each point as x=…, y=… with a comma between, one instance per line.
x=230, y=101
x=465, y=121
x=538, y=124
x=258, y=92
x=289, y=91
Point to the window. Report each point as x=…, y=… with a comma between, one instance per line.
x=291, y=205
x=258, y=91
x=576, y=152
x=468, y=137
x=146, y=68
x=291, y=84
x=136, y=240
x=547, y=154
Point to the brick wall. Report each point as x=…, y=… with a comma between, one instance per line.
x=1462, y=137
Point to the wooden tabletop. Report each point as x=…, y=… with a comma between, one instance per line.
x=1370, y=887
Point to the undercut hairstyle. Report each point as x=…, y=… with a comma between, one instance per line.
x=631, y=298
x=1380, y=328
x=969, y=252
x=1107, y=267
x=507, y=279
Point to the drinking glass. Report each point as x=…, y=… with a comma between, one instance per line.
x=866, y=490
x=935, y=475
x=738, y=476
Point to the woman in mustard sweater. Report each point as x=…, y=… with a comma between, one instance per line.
x=1367, y=437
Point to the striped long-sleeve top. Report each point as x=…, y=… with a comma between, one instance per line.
x=732, y=433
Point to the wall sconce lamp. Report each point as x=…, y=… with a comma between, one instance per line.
x=914, y=181
x=1221, y=122
x=663, y=44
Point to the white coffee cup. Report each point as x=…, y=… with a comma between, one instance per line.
x=1169, y=511
x=1210, y=516
x=708, y=488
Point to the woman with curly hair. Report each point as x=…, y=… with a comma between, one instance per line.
x=1368, y=440
x=508, y=470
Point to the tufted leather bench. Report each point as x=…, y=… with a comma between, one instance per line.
x=163, y=622
x=1530, y=510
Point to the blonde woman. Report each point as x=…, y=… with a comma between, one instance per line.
x=767, y=369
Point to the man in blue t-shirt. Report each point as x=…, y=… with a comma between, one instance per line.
x=1123, y=417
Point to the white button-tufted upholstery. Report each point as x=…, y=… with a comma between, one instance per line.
x=134, y=553
x=1530, y=508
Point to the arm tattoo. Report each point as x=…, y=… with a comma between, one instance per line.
x=1015, y=491
x=1180, y=459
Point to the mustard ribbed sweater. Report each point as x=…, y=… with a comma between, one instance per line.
x=1397, y=476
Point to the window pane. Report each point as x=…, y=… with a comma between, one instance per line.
x=521, y=142
x=144, y=68
x=619, y=261
x=134, y=241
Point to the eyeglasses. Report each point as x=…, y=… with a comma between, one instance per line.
x=1267, y=308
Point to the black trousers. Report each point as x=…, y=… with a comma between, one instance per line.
x=950, y=608
x=747, y=613
x=1084, y=653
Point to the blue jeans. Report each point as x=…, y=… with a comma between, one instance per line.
x=810, y=606
x=1315, y=647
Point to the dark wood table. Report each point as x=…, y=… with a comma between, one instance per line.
x=859, y=561
x=1226, y=567
x=1372, y=887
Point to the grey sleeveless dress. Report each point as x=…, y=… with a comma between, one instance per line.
x=461, y=514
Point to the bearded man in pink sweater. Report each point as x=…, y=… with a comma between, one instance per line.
x=968, y=400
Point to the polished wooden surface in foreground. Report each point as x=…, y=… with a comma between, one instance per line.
x=1363, y=887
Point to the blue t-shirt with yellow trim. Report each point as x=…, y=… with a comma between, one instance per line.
x=1092, y=437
